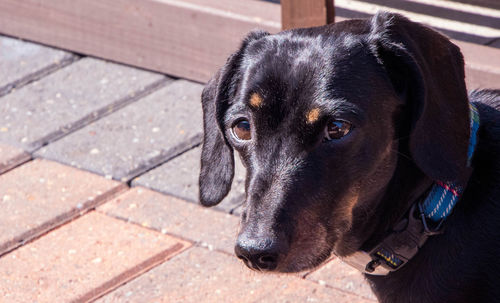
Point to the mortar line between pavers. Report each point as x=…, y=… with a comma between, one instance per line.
x=343, y=290
x=335, y=288
x=38, y=157
x=97, y=115
x=131, y=273
x=117, y=217
x=60, y=220
x=128, y=180
x=327, y=284
x=198, y=244
x=175, y=255
x=39, y=74
x=332, y=257
x=295, y=276
x=163, y=157
x=186, y=200
x=15, y=162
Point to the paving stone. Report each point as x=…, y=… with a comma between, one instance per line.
x=82, y=260
x=40, y=195
x=23, y=61
x=179, y=177
x=205, y=226
x=68, y=99
x=340, y=275
x=11, y=157
x=137, y=137
x=198, y=275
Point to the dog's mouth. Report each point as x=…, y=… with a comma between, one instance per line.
x=294, y=263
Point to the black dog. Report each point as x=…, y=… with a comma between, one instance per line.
x=346, y=131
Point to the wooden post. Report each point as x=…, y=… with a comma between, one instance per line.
x=306, y=13
x=330, y=11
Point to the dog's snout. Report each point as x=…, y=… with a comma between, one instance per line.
x=259, y=253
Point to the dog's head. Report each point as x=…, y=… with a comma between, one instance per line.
x=336, y=125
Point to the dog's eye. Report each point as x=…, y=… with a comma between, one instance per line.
x=337, y=129
x=241, y=130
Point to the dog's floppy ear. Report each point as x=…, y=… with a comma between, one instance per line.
x=217, y=162
x=427, y=70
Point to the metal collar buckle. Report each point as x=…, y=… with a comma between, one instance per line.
x=436, y=229
x=398, y=247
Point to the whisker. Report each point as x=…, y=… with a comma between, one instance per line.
x=403, y=155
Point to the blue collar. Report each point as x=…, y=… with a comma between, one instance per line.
x=444, y=195
x=408, y=236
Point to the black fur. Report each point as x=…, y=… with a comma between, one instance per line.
x=401, y=85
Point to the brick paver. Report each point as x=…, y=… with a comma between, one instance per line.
x=23, y=61
x=11, y=156
x=212, y=230
x=68, y=99
x=42, y=194
x=208, y=227
x=199, y=275
x=82, y=260
x=121, y=122
x=340, y=275
x=179, y=177
x=137, y=137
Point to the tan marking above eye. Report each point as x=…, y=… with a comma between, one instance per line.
x=312, y=115
x=256, y=100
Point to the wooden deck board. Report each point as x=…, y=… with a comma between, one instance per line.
x=185, y=38
x=188, y=38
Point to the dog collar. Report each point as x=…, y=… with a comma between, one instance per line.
x=424, y=219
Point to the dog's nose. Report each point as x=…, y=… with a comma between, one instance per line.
x=259, y=254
